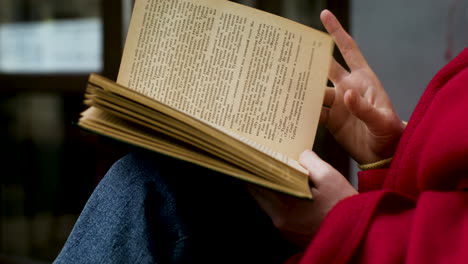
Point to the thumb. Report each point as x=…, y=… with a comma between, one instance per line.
x=319, y=171
x=361, y=108
x=380, y=121
x=330, y=186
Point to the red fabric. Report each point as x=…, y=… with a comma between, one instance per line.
x=417, y=210
x=371, y=180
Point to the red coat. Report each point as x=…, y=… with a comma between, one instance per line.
x=417, y=210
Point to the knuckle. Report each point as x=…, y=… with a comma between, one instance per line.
x=279, y=222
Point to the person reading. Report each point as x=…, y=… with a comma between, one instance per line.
x=411, y=206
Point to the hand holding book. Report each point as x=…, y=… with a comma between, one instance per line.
x=240, y=91
x=359, y=114
x=219, y=84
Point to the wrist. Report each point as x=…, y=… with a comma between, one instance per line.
x=384, y=158
x=385, y=163
x=382, y=163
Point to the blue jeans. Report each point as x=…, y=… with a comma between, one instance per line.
x=154, y=209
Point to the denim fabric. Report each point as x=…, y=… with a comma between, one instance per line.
x=153, y=209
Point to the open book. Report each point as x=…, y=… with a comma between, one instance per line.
x=216, y=83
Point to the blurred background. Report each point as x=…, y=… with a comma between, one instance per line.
x=49, y=167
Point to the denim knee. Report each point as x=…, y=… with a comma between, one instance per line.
x=121, y=220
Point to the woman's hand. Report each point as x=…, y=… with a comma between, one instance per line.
x=299, y=219
x=360, y=115
x=358, y=111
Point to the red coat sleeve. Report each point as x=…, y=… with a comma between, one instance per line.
x=417, y=210
x=386, y=227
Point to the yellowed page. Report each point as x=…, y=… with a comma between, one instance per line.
x=105, y=123
x=237, y=149
x=256, y=74
x=279, y=156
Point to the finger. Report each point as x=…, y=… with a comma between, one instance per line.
x=266, y=199
x=329, y=96
x=318, y=169
x=343, y=40
x=324, y=115
x=261, y=194
x=336, y=72
x=361, y=108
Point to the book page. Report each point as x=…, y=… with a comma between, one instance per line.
x=293, y=163
x=253, y=73
x=120, y=129
x=209, y=137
